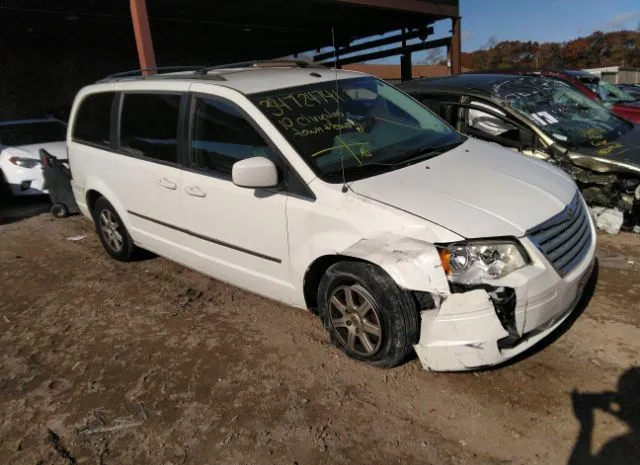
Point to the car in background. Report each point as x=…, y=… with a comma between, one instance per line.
x=621, y=103
x=631, y=89
x=20, y=142
x=614, y=95
x=549, y=120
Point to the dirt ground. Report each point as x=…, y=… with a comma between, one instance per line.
x=149, y=363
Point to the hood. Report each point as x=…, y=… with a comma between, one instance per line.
x=625, y=149
x=477, y=190
x=58, y=149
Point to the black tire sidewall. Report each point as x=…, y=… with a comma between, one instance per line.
x=5, y=190
x=59, y=211
x=127, y=252
x=398, y=312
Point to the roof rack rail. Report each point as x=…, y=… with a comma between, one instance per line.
x=262, y=63
x=203, y=70
x=139, y=72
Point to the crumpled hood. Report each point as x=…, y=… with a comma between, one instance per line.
x=58, y=149
x=477, y=190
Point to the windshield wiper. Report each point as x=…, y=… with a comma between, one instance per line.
x=364, y=169
x=425, y=152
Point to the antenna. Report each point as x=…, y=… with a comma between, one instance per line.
x=335, y=64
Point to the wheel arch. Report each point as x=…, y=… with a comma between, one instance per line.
x=314, y=274
x=94, y=189
x=414, y=265
x=91, y=198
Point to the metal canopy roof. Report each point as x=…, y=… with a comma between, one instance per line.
x=52, y=48
x=209, y=31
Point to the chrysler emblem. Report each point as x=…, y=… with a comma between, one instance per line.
x=571, y=213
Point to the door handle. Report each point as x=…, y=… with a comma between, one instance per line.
x=195, y=191
x=164, y=182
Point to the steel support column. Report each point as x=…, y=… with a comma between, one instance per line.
x=456, y=46
x=142, y=31
x=406, y=69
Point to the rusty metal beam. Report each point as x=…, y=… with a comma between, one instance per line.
x=456, y=46
x=142, y=31
x=423, y=32
x=416, y=6
x=391, y=52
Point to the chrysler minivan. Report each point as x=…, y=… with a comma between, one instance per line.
x=336, y=192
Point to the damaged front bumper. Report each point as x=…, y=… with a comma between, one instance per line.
x=468, y=330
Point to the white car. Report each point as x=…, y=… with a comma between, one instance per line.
x=334, y=191
x=20, y=141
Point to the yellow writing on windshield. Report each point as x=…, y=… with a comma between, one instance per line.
x=318, y=123
x=595, y=136
x=607, y=149
x=362, y=149
x=293, y=102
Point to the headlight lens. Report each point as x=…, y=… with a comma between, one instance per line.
x=475, y=262
x=24, y=162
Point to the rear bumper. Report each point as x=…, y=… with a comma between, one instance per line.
x=465, y=333
x=25, y=181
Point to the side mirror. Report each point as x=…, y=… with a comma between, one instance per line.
x=255, y=172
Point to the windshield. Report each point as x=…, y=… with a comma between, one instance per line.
x=12, y=134
x=563, y=113
x=356, y=125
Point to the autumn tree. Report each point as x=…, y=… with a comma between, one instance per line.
x=599, y=49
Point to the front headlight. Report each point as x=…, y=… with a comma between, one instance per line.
x=475, y=262
x=24, y=162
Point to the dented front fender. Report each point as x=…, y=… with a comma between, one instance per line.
x=413, y=264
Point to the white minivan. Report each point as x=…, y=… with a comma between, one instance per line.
x=336, y=192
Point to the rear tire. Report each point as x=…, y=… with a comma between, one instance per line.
x=114, y=236
x=5, y=190
x=367, y=315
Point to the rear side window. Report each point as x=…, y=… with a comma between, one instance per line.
x=93, y=120
x=149, y=126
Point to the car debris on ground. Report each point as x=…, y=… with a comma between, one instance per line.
x=608, y=220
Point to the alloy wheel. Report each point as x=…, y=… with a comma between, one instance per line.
x=356, y=319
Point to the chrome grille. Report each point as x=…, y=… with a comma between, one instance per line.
x=565, y=239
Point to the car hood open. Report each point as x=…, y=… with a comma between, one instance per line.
x=477, y=190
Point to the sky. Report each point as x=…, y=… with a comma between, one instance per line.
x=536, y=20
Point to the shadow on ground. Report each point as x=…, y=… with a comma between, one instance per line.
x=624, y=405
x=17, y=209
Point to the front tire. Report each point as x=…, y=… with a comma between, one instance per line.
x=367, y=315
x=114, y=236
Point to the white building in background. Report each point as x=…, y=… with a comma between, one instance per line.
x=617, y=74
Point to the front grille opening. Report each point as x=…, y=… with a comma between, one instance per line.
x=564, y=239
